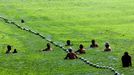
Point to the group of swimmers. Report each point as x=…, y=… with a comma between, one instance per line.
x=126, y=58
x=93, y=45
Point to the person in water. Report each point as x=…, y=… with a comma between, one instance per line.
x=107, y=47
x=71, y=55
x=48, y=48
x=94, y=44
x=15, y=51
x=8, y=49
x=68, y=43
x=81, y=50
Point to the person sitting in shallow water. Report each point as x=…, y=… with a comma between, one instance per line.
x=81, y=50
x=15, y=51
x=94, y=44
x=8, y=49
x=68, y=43
x=107, y=47
x=71, y=55
x=126, y=60
x=48, y=47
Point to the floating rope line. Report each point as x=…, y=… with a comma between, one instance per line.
x=60, y=46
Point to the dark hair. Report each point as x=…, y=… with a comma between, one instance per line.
x=125, y=53
x=70, y=50
x=81, y=46
x=48, y=45
x=106, y=45
x=93, y=41
x=8, y=47
x=22, y=21
x=68, y=42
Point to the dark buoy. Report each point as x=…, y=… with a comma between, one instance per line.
x=22, y=21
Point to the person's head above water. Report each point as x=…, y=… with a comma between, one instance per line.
x=8, y=47
x=81, y=46
x=93, y=41
x=70, y=50
x=107, y=45
x=68, y=42
x=48, y=45
x=125, y=53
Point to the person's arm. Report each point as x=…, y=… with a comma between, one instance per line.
x=77, y=51
x=97, y=45
x=51, y=49
x=76, y=56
